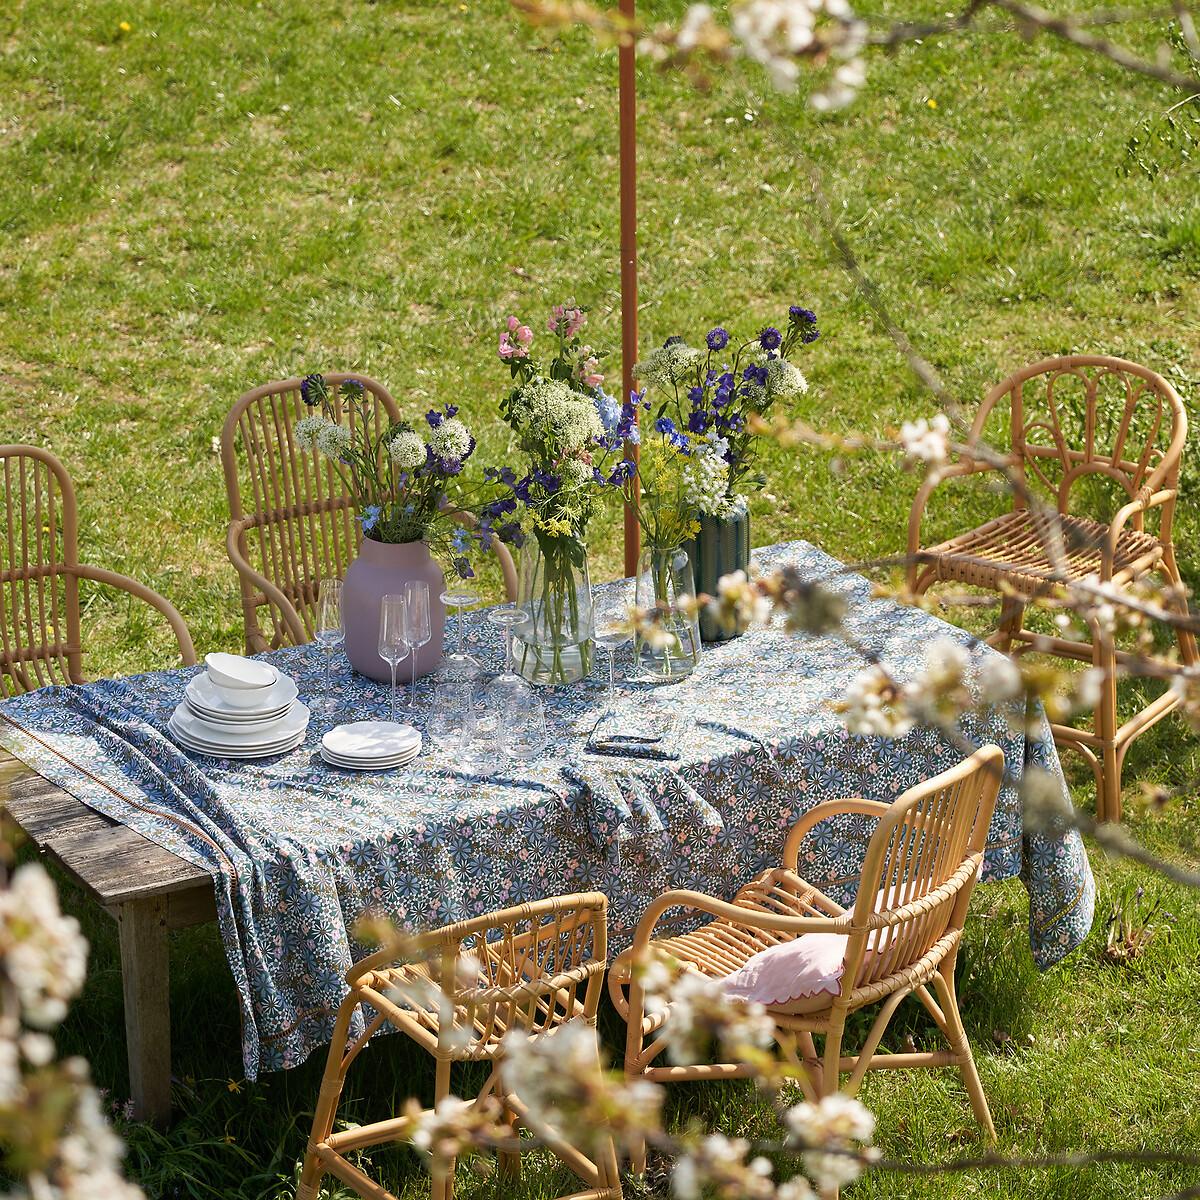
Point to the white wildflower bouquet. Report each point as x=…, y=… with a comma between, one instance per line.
x=406, y=482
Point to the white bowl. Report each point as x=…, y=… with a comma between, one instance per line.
x=241, y=697
x=234, y=672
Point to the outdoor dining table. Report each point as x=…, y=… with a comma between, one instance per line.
x=298, y=851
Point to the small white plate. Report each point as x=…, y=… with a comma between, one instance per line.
x=274, y=702
x=294, y=721
x=239, y=673
x=370, y=741
x=389, y=764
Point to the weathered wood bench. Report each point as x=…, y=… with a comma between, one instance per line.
x=147, y=890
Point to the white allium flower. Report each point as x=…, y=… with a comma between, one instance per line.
x=407, y=450
x=784, y=380
x=333, y=440
x=669, y=365
x=44, y=953
x=926, y=441
x=450, y=439
x=307, y=429
x=1000, y=679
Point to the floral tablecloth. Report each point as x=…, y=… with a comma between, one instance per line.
x=298, y=851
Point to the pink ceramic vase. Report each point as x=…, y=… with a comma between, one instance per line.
x=381, y=569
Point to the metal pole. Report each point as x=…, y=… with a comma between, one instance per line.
x=626, y=68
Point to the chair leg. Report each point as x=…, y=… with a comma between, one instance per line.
x=1187, y=640
x=509, y=1161
x=1012, y=617
x=633, y=1052
x=827, y=1084
x=943, y=983
x=332, y=1082
x=442, y=1173
x=1108, y=798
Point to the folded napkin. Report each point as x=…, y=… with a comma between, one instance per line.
x=626, y=735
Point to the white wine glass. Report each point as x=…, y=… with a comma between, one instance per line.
x=416, y=599
x=330, y=632
x=393, y=636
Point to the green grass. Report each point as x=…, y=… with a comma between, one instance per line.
x=231, y=193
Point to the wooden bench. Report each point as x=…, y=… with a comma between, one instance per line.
x=147, y=890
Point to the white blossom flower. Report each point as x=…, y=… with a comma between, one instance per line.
x=926, y=441
x=1000, y=679
x=451, y=439
x=835, y=1123
x=333, y=440
x=719, y=1164
x=433, y=1124
x=873, y=706
x=740, y=603
x=700, y=1010
x=44, y=953
x=307, y=429
x=407, y=450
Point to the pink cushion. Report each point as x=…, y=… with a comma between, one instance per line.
x=802, y=975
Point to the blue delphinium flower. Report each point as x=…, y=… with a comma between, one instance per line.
x=696, y=395
x=621, y=472
x=521, y=488
x=608, y=410
x=460, y=540
x=810, y=335
x=770, y=338
x=548, y=482
x=370, y=517
x=463, y=567
x=434, y=418
x=755, y=374
x=698, y=420
x=665, y=426
x=717, y=338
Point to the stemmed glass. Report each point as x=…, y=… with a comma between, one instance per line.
x=416, y=599
x=330, y=631
x=611, y=614
x=459, y=664
x=508, y=683
x=451, y=720
x=393, y=636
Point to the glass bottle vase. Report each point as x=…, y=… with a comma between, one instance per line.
x=552, y=644
x=670, y=649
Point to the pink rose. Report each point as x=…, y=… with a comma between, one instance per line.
x=524, y=335
x=513, y=324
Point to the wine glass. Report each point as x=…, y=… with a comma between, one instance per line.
x=393, y=636
x=523, y=732
x=451, y=720
x=330, y=631
x=508, y=683
x=416, y=597
x=612, y=629
x=459, y=664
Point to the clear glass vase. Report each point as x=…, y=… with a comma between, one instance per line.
x=665, y=582
x=553, y=642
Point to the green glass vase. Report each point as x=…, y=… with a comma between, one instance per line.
x=721, y=547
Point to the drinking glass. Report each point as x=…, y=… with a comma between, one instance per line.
x=451, y=720
x=458, y=664
x=522, y=728
x=611, y=606
x=416, y=597
x=393, y=636
x=508, y=683
x=330, y=631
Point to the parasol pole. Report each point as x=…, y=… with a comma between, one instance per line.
x=627, y=77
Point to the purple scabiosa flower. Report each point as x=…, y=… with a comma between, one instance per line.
x=717, y=338
x=770, y=338
x=450, y=466
x=802, y=316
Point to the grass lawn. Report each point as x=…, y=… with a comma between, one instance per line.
x=229, y=193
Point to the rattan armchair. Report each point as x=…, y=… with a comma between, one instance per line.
x=41, y=640
x=901, y=938
x=1075, y=422
x=291, y=520
x=530, y=968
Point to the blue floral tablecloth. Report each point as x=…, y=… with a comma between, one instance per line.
x=298, y=851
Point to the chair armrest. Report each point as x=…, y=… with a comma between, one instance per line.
x=824, y=810
x=291, y=618
x=1141, y=503
x=748, y=917
x=178, y=626
x=917, y=512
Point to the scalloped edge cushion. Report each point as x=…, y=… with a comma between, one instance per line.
x=803, y=975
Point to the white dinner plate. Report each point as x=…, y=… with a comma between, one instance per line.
x=207, y=701
x=235, y=752
x=371, y=741
x=294, y=721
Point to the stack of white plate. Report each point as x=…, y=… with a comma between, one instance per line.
x=370, y=746
x=239, y=708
